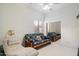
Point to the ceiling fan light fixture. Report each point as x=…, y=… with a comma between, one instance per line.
x=46, y=6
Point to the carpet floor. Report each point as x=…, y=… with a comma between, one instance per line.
x=57, y=49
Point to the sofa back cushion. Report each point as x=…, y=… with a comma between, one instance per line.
x=51, y=34
x=35, y=37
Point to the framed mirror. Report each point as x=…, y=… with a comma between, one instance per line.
x=53, y=27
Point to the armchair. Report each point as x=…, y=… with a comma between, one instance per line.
x=53, y=36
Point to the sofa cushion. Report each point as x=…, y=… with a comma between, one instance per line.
x=37, y=42
x=45, y=37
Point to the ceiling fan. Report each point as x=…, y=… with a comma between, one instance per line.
x=46, y=6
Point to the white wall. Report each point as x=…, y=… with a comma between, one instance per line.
x=1, y=22
x=18, y=17
x=69, y=24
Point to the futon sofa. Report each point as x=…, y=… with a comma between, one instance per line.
x=35, y=40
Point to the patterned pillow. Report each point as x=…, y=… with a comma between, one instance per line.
x=38, y=38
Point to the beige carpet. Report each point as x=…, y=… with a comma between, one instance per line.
x=57, y=49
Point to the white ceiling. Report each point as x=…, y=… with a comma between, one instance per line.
x=55, y=6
